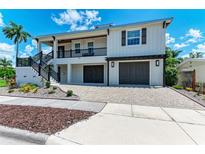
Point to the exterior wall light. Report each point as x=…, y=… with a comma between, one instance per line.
x=157, y=62
x=112, y=64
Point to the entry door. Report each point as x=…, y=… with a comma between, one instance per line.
x=61, y=51
x=93, y=74
x=134, y=73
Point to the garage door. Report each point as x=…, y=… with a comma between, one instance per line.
x=93, y=74
x=134, y=73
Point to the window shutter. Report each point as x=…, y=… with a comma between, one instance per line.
x=144, y=35
x=123, y=38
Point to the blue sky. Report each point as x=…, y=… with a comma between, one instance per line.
x=186, y=32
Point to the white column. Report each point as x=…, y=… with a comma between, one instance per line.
x=69, y=73
x=55, y=67
x=38, y=46
x=55, y=48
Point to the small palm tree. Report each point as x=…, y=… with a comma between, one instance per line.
x=5, y=63
x=16, y=33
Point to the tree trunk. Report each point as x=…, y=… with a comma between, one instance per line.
x=17, y=51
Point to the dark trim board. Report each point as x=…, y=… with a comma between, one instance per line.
x=135, y=57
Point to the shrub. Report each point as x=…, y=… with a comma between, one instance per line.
x=10, y=90
x=69, y=93
x=28, y=87
x=189, y=89
x=177, y=87
x=54, y=87
x=51, y=91
x=7, y=73
x=171, y=76
x=11, y=83
x=3, y=83
x=48, y=84
x=34, y=90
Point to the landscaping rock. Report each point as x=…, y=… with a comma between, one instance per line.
x=40, y=119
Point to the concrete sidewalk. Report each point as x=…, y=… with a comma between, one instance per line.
x=133, y=124
x=77, y=105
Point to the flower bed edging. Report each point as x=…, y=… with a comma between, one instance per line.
x=188, y=96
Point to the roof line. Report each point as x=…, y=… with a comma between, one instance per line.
x=111, y=27
x=190, y=60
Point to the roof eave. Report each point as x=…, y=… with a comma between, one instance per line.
x=167, y=20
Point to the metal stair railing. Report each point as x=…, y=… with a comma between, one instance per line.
x=42, y=68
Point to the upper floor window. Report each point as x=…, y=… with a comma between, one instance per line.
x=90, y=47
x=133, y=37
x=77, y=47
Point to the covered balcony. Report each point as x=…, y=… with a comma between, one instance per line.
x=82, y=52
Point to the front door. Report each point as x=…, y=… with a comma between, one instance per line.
x=61, y=51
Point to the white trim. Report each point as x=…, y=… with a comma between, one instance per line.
x=130, y=30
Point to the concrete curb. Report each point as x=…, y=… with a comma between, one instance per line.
x=193, y=99
x=38, y=138
x=70, y=99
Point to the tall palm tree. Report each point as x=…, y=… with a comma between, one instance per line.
x=16, y=33
x=5, y=63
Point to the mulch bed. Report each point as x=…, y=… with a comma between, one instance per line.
x=40, y=119
x=41, y=93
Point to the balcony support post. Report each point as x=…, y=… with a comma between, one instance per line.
x=55, y=47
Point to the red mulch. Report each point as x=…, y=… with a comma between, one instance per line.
x=40, y=119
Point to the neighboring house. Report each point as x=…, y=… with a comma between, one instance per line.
x=106, y=55
x=191, y=71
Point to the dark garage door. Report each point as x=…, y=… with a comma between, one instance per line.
x=93, y=74
x=134, y=73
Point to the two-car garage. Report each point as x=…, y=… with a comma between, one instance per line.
x=129, y=73
x=122, y=72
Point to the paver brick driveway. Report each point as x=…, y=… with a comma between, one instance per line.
x=147, y=96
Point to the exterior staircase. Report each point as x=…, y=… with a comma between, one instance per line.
x=40, y=63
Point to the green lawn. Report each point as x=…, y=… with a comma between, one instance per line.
x=3, y=83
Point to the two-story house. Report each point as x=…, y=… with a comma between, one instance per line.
x=106, y=55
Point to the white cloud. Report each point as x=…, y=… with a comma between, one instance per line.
x=185, y=55
x=180, y=45
x=24, y=55
x=34, y=43
x=194, y=35
x=169, y=39
x=199, y=48
x=28, y=49
x=46, y=49
x=7, y=51
x=77, y=20
x=1, y=20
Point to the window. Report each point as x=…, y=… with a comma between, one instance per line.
x=90, y=47
x=133, y=37
x=77, y=47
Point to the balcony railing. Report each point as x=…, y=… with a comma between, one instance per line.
x=23, y=62
x=82, y=53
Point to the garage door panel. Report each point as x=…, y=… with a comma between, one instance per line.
x=134, y=73
x=93, y=74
